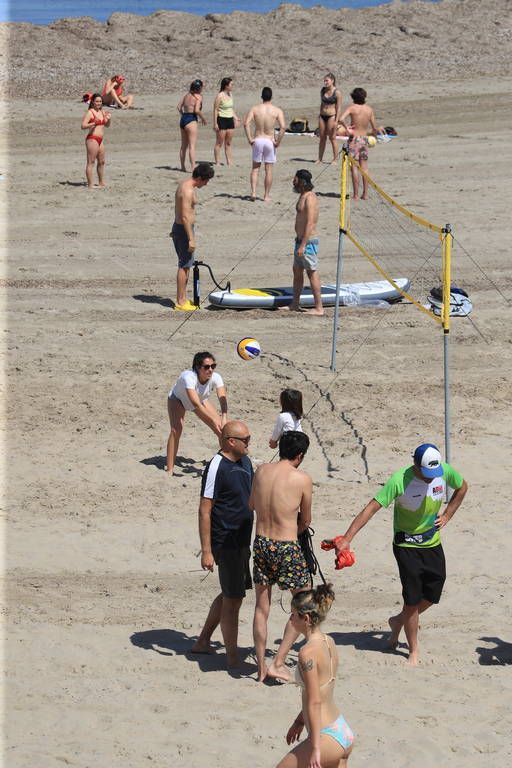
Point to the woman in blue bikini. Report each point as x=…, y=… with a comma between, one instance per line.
x=190, y=111
x=329, y=741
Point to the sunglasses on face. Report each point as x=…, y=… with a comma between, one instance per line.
x=209, y=365
x=242, y=439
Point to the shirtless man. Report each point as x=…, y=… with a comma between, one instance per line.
x=182, y=231
x=306, y=243
x=264, y=142
x=362, y=119
x=281, y=498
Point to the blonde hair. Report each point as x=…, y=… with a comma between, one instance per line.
x=316, y=603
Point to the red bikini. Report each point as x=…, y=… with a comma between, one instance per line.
x=92, y=136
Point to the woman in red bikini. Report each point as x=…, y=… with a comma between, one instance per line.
x=95, y=121
x=113, y=93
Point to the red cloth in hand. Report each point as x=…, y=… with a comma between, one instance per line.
x=344, y=559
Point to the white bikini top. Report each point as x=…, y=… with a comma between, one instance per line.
x=298, y=676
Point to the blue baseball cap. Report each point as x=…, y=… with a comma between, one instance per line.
x=427, y=458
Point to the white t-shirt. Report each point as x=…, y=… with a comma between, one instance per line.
x=285, y=422
x=189, y=380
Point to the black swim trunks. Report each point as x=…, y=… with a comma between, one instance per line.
x=279, y=562
x=422, y=573
x=180, y=240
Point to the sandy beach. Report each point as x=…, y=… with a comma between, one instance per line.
x=103, y=589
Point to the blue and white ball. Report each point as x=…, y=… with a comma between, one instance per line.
x=248, y=348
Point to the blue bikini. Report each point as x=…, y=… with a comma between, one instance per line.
x=340, y=729
x=188, y=117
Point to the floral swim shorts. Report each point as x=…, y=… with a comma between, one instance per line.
x=358, y=148
x=279, y=562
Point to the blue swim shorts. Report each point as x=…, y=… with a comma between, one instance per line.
x=309, y=260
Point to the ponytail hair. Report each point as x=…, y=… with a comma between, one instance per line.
x=316, y=603
x=291, y=402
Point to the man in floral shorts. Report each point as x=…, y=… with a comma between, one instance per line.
x=281, y=498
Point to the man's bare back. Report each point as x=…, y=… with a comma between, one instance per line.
x=265, y=117
x=280, y=494
x=185, y=200
x=362, y=119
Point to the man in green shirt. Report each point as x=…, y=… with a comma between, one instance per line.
x=418, y=492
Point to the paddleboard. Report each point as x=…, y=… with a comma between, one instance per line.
x=382, y=138
x=272, y=298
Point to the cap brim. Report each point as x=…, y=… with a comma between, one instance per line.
x=431, y=473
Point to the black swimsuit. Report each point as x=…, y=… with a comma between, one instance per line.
x=328, y=101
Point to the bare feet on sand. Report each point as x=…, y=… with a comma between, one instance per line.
x=291, y=308
x=317, y=312
x=199, y=647
x=412, y=661
x=396, y=626
x=232, y=661
x=278, y=672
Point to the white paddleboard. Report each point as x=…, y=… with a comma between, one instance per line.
x=350, y=294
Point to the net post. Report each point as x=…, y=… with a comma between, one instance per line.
x=339, y=262
x=447, y=265
x=447, y=255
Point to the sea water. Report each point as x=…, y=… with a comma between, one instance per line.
x=44, y=11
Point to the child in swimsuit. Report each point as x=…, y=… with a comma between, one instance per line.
x=330, y=739
x=290, y=416
x=95, y=121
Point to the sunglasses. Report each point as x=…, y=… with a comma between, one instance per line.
x=242, y=439
x=209, y=365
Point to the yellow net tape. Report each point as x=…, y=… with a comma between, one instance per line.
x=413, y=216
x=397, y=242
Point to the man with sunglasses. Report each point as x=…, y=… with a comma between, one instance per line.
x=225, y=528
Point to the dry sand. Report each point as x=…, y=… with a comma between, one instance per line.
x=103, y=589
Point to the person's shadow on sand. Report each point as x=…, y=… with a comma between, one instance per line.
x=73, y=183
x=168, y=168
x=234, y=197
x=171, y=642
x=188, y=466
x=501, y=653
x=148, y=299
x=369, y=641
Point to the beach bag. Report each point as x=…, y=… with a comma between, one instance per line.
x=299, y=125
x=460, y=303
x=87, y=97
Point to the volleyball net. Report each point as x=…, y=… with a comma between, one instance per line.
x=397, y=242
